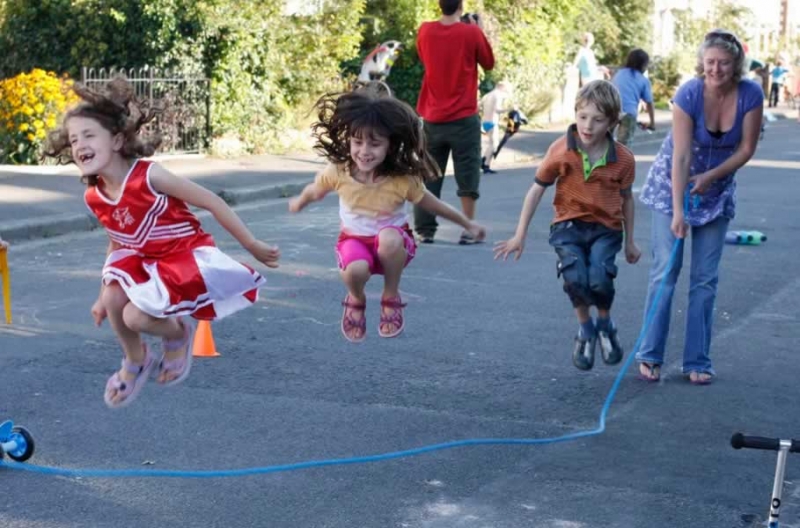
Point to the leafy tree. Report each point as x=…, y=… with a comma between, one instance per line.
x=691, y=27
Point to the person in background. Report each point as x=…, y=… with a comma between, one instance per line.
x=778, y=78
x=633, y=87
x=451, y=49
x=586, y=62
x=495, y=104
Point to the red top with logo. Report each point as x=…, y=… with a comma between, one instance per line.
x=451, y=54
x=143, y=219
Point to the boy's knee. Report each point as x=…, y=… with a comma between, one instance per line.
x=601, y=284
x=576, y=285
x=578, y=293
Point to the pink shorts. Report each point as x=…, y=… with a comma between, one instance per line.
x=350, y=248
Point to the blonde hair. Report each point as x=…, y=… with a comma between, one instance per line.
x=726, y=41
x=604, y=95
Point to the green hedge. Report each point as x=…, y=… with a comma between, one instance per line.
x=268, y=68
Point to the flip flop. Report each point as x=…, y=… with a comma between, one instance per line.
x=396, y=317
x=654, y=372
x=349, y=323
x=182, y=365
x=129, y=390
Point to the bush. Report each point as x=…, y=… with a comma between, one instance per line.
x=665, y=76
x=31, y=105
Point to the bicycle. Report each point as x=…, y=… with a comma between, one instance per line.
x=783, y=447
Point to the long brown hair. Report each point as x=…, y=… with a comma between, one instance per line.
x=117, y=110
x=370, y=110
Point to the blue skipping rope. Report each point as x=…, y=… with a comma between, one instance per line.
x=392, y=455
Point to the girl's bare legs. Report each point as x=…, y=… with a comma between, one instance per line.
x=115, y=300
x=168, y=328
x=392, y=254
x=355, y=277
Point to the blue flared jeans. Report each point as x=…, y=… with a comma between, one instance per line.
x=707, y=242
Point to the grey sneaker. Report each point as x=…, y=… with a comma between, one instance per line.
x=467, y=239
x=609, y=346
x=583, y=353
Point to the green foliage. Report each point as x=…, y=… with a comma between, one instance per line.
x=691, y=28
x=632, y=17
x=529, y=47
x=267, y=68
x=395, y=20
x=665, y=76
x=262, y=64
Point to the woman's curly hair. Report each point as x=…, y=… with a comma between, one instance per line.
x=117, y=110
x=374, y=111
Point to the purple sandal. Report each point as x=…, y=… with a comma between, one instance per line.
x=349, y=323
x=396, y=318
x=182, y=365
x=129, y=390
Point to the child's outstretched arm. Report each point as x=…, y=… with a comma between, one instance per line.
x=165, y=182
x=434, y=205
x=632, y=252
x=313, y=192
x=516, y=244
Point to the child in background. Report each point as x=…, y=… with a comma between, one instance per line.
x=593, y=207
x=494, y=104
x=3, y=244
x=160, y=265
x=378, y=163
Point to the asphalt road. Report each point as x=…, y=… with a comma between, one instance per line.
x=486, y=354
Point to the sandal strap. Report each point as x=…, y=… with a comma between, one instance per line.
x=137, y=369
x=171, y=345
x=393, y=302
x=353, y=304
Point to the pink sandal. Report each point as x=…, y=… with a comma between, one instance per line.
x=182, y=365
x=395, y=318
x=349, y=323
x=129, y=390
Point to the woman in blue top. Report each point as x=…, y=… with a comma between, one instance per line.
x=715, y=128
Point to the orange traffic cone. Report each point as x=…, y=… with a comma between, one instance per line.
x=203, y=345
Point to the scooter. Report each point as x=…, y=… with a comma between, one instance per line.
x=514, y=120
x=16, y=442
x=783, y=447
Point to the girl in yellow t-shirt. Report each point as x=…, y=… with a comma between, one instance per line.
x=378, y=163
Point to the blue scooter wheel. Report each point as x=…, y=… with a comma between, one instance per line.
x=25, y=444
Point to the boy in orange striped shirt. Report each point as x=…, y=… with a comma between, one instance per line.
x=594, y=212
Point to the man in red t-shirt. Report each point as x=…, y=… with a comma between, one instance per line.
x=451, y=51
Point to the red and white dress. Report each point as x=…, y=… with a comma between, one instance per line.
x=168, y=266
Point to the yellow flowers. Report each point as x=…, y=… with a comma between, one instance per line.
x=30, y=106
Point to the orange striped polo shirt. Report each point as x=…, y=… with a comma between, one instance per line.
x=597, y=198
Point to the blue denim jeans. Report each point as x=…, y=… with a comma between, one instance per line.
x=707, y=243
x=586, y=261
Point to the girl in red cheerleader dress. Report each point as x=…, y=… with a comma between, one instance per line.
x=161, y=266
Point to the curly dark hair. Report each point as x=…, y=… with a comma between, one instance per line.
x=372, y=110
x=117, y=110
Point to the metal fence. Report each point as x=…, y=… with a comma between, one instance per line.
x=185, y=102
